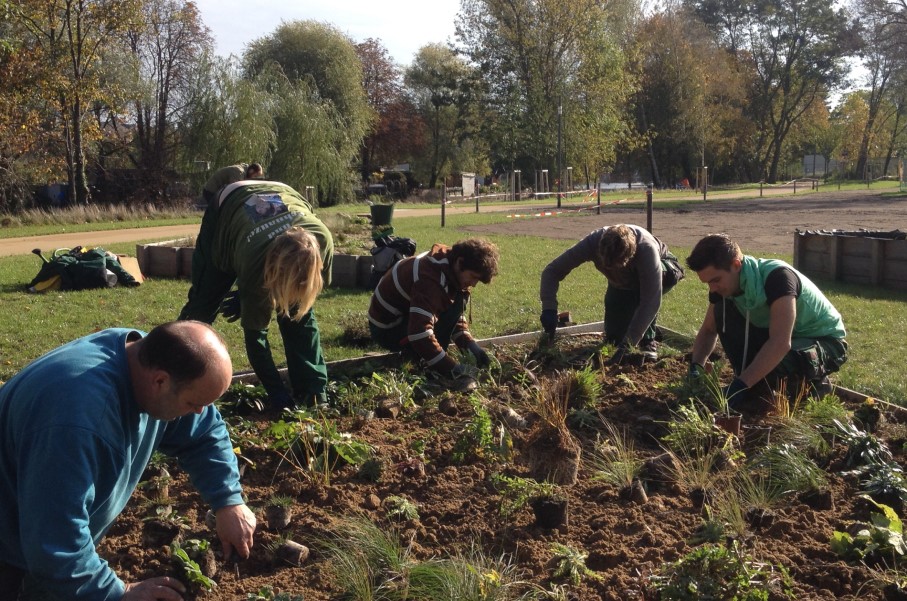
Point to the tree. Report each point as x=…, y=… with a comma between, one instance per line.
x=228, y=118
x=167, y=48
x=324, y=62
x=70, y=37
x=533, y=56
x=793, y=51
x=438, y=82
x=689, y=103
x=382, y=82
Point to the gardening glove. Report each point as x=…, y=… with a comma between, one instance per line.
x=696, y=371
x=462, y=378
x=482, y=358
x=230, y=307
x=735, y=393
x=619, y=355
x=549, y=320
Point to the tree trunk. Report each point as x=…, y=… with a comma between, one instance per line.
x=83, y=196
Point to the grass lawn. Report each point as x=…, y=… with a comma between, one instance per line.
x=31, y=325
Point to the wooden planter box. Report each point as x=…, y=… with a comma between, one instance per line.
x=171, y=259
x=874, y=258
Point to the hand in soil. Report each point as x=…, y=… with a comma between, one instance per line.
x=235, y=528
x=163, y=587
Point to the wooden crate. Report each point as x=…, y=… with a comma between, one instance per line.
x=872, y=258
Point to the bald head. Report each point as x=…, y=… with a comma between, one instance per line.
x=185, y=350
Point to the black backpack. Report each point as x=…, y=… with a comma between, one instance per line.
x=385, y=254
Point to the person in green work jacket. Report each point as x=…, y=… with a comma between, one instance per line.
x=774, y=325
x=267, y=239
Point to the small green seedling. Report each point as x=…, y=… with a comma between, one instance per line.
x=190, y=568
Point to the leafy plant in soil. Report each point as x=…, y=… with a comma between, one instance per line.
x=476, y=440
x=877, y=542
x=760, y=494
x=616, y=461
x=718, y=572
x=189, y=568
x=267, y=593
x=243, y=399
x=517, y=492
x=692, y=431
x=863, y=448
x=697, y=472
x=570, y=564
x=401, y=509
x=315, y=446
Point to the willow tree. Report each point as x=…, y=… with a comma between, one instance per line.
x=324, y=62
x=229, y=118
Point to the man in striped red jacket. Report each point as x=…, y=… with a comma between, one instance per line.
x=420, y=301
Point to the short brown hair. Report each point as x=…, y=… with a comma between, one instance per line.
x=715, y=250
x=480, y=256
x=254, y=170
x=617, y=246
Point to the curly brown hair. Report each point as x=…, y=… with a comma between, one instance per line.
x=480, y=256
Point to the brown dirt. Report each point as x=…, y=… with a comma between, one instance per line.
x=763, y=225
x=458, y=506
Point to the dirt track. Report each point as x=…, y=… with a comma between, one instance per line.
x=758, y=224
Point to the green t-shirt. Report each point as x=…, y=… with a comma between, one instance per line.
x=250, y=218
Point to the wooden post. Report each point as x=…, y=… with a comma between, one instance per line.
x=598, y=196
x=649, y=208
x=705, y=182
x=795, y=186
x=443, y=202
x=834, y=252
x=877, y=261
x=761, y=181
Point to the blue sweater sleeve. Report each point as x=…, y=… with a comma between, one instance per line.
x=54, y=522
x=203, y=447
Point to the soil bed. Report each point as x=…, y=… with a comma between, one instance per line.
x=459, y=506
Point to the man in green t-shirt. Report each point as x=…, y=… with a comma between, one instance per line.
x=774, y=324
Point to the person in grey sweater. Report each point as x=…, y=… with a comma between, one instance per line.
x=639, y=269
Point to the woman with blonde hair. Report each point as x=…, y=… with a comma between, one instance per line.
x=280, y=260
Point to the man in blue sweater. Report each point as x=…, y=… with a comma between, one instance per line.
x=77, y=428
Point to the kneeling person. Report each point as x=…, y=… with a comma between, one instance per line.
x=419, y=305
x=639, y=269
x=773, y=322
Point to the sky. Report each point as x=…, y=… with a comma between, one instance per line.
x=402, y=26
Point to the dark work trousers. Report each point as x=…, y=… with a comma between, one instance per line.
x=209, y=284
x=394, y=339
x=828, y=353
x=621, y=305
x=306, y=368
x=10, y=582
